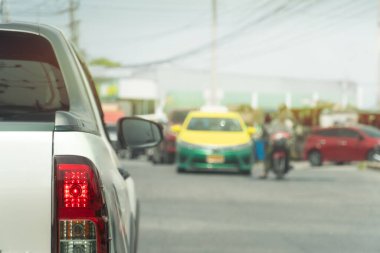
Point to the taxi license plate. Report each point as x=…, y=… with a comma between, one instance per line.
x=215, y=159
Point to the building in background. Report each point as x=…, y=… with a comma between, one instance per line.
x=118, y=89
x=167, y=89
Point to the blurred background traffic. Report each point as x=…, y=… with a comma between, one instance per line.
x=298, y=81
x=315, y=61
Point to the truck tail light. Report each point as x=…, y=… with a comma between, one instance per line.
x=80, y=211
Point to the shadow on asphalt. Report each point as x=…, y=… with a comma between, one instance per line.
x=255, y=177
x=210, y=173
x=290, y=179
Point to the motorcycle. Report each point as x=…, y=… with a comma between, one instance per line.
x=279, y=142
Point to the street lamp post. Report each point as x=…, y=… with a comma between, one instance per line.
x=213, y=100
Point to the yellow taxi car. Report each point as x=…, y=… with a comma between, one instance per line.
x=214, y=141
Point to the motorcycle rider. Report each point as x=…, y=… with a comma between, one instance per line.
x=283, y=123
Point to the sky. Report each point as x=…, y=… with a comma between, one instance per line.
x=316, y=39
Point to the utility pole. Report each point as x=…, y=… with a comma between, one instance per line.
x=214, y=85
x=74, y=22
x=344, y=96
x=378, y=55
x=4, y=11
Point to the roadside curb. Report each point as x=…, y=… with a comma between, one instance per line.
x=373, y=165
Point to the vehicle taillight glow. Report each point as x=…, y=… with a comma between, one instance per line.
x=81, y=215
x=75, y=185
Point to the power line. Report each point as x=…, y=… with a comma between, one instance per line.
x=249, y=14
x=185, y=28
x=225, y=39
x=173, y=7
x=34, y=7
x=284, y=13
x=221, y=40
x=41, y=9
x=279, y=18
x=74, y=22
x=292, y=42
x=144, y=9
x=296, y=39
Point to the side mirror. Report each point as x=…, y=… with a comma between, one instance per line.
x=251, y=130
x=360, y=137
x=135, y=132
x=176, y=129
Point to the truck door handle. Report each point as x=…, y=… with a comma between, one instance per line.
x=343, y=143
x=323, y=142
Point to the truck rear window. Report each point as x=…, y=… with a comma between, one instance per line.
x=31, y=82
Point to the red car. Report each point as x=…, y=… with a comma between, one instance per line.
x=342, y=144
x=165, y=152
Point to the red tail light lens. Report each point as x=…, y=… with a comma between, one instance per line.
x=81, y=216
x=75, y=185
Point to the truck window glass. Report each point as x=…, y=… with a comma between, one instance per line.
x=31, y=82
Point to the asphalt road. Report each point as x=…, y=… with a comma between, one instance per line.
x=331, y=209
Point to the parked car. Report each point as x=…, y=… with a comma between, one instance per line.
x=61, y=186
x=342, y=144
x=165, y=152
x=178, y=116
x=214, y=141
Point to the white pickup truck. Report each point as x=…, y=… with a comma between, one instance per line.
x=61, y=188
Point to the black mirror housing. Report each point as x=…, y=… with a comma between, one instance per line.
x=134, y=132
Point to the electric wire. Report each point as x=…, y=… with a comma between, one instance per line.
x=198, y=22
x=200, y=49
x=310, y=34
